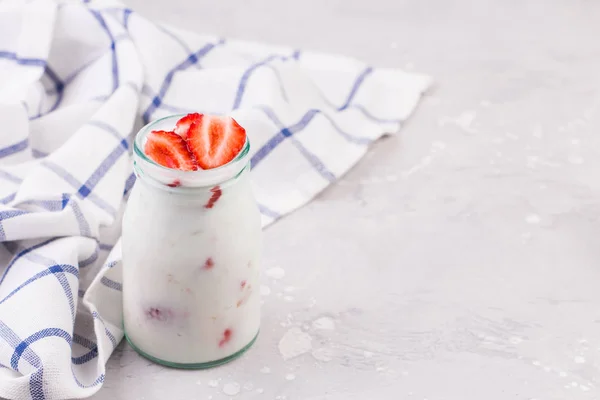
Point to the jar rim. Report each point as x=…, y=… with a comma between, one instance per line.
x=144, y=166
x=174, y=179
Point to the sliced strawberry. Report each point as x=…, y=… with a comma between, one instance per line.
x=226, y=337
x=215, y=140
x=183, y=125
x=170, y=150
x=216, y=194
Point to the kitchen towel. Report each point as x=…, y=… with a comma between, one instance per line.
x=77, y=80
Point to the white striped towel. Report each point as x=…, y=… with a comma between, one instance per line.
x=78, y=80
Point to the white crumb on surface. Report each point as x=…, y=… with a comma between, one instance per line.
x=294, y=342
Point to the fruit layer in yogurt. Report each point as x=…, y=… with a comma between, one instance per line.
x=198, y=142
x=191, y=262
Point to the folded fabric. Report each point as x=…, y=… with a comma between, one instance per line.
x=78, y=80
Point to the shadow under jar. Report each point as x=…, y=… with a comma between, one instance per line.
x=191, y=251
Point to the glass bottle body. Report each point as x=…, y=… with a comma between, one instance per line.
x=191, y=256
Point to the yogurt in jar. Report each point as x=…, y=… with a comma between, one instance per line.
x=191, y=253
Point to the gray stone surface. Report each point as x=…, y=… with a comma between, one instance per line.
x=460, y=259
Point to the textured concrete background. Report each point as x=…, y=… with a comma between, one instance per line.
x=460, y=259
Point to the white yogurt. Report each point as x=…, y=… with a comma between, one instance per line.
x=191, y=254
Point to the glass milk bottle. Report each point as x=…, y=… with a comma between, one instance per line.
x=191, y=253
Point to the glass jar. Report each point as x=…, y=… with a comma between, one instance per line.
x=191, y=252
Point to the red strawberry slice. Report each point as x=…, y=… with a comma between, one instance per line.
x=183, y=125
x=169, y=150
x=226, y=337
x=215, y=140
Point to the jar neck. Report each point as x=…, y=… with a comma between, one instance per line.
x=177, y=180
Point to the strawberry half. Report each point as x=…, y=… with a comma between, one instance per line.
x=169, y=150
x=183, y=125
x=215, y=140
